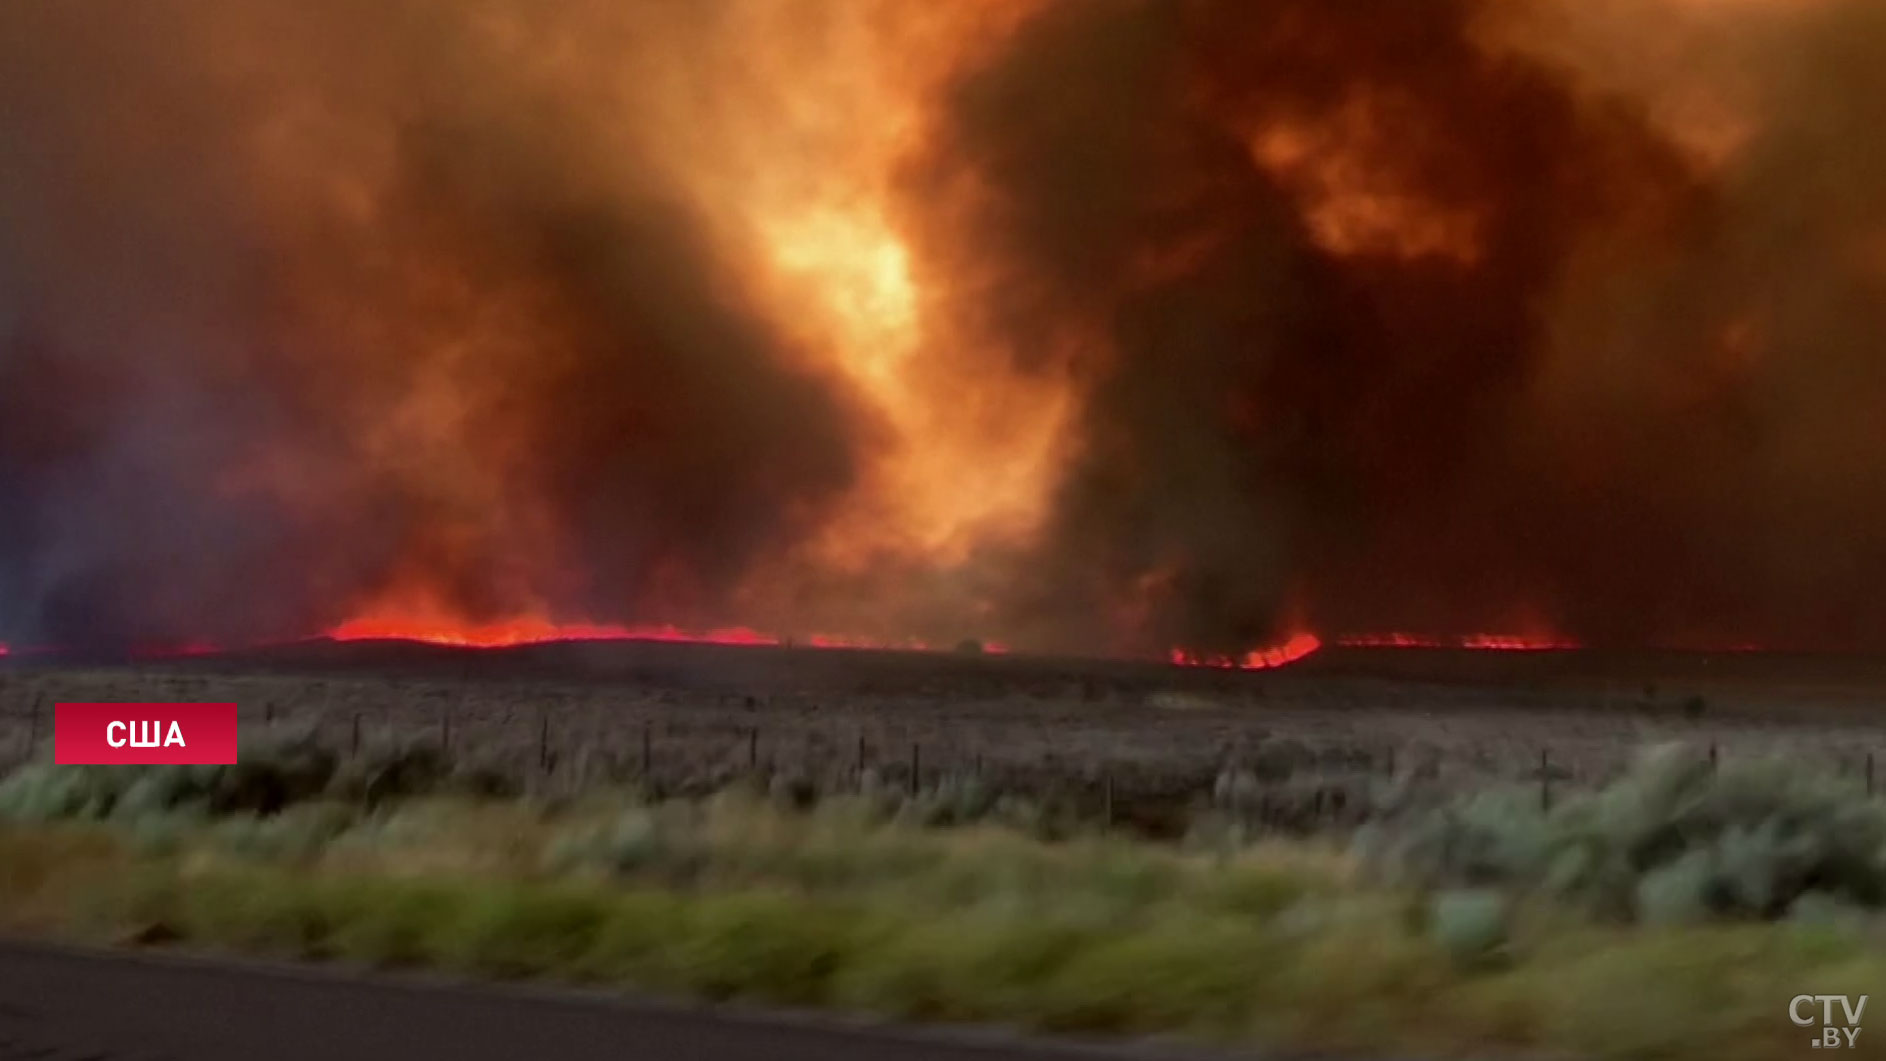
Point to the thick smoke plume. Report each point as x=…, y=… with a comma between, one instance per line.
x=1114, y=325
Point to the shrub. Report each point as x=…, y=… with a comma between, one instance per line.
x=633, y=941
x=953, y=801
x=516, y=932
x=775, y=948
x=43, y=792
x=162, y=790
x=1193, y=974
x=392, y=771
x=298, y=834
x=1470, y=924
x=1673, y=840
x=272, y=772
x=396, y=924
x=633, y=841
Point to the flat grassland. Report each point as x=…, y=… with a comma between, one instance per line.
x=1479, y=857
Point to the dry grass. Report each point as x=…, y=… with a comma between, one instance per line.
x=1282, y=943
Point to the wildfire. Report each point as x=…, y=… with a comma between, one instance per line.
x=1301, y=646
x=514, y=633
x=799, y=165
x=420, y=628
x=501, y=323
x=1297, y=647
x=1483, y=642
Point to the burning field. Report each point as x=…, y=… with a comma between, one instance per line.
x=1194, y=329
x=1314, y=447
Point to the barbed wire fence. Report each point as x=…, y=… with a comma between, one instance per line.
x=671, y=743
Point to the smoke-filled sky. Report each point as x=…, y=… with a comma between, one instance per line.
x=1114, y=325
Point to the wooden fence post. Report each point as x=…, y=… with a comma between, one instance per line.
x=543, y=741
x=1545, y=779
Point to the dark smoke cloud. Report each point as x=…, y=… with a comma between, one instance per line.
x=1550, y=432
x=286, y=289
x=1738, y=424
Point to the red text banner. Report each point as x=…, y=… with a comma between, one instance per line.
x=144, y=734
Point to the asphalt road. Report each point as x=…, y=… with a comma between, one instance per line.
x=60, y=1004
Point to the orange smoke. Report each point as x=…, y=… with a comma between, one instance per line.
x=1104, y=327
x=786, y=130
x=1697, y=65
x=794, y=159
x=1346, y=172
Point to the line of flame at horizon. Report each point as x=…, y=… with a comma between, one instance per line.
x=1295, y=648
x=1486, y=642
x=1301, y=646
x=522, y=633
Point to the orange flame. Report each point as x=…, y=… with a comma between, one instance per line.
x=534, y=630
x=1482, y=642
x=1296, y=647
x=528, y=631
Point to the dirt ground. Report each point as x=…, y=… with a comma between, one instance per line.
x=687, y=717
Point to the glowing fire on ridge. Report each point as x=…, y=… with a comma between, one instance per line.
x=1296, y=647
x=521, y=632
x=1301, y=646
x=538, y=631
x=1484, y=642
x=512, y=633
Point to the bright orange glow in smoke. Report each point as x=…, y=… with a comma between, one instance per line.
x=1089, y=326
x=794, y=157
x=799, y=163
x=1343, y=169
x=792, y=160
